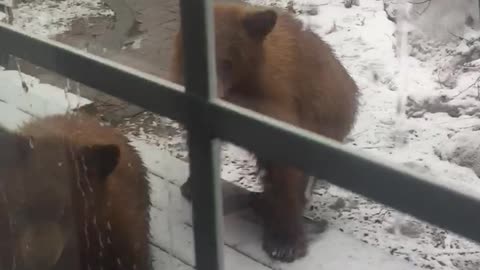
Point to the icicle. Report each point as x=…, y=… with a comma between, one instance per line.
x=78, y=95
x=24, y=84
x=399, y=219
x=171, y=242
x=66, y=90
x=400, y=132
x=30, y=143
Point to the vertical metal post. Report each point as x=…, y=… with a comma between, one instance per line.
x=4, y=60
x=5, y=57
x=200, y=79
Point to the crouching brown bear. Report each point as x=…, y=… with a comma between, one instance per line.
x=74, y=195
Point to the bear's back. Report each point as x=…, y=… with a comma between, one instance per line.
x=122, y=211
x=299, y=63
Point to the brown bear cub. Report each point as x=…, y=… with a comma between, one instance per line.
x=268, y=63
x=74, y=195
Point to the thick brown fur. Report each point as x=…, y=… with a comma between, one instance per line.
x=267, y=62
x=74, y=196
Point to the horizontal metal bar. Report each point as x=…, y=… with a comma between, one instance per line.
x=203, y=150
x=126, y=83
x=387, y=184
x=391, y=185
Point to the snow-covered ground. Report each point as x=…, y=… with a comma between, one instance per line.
x=442, y=124
x=47, y=18
x=442, y=109
x=24, y=98
x=443, y=105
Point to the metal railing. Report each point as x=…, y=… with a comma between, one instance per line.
x=208, y=119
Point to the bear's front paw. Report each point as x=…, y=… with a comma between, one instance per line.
x=285, y=249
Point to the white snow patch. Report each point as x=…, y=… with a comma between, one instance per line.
x=463, y=149
x=36, y=99
x=3, y=17
x=13, y=117
x=47, y=18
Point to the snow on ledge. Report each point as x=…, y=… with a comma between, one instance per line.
x=40, y=100
x=3, y=17
x=48, y=18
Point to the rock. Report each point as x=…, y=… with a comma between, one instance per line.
x=339, y=204
x=462, y=149
x=350, y=3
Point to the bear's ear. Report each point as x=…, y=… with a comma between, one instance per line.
x=100, y=160
x=259, y=24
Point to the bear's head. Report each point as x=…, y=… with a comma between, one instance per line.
x=45, y=184
x=239, y=35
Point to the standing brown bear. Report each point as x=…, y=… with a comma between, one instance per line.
x=267, y=62
x=74, y=195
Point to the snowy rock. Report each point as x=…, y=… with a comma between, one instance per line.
x=455, y=106
x=419, y=168
x=409, y=228
x=463, y=149
x=417, y=106
x=441, y=18
x=350, y=3
x=390, y=7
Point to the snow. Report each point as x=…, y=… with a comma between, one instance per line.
x=3, y=17
x=47, y=18
x=442, y=103
x=445, y=14
x=172, y=233
x=31, y=97
x=332, y=250
x=364, y=41
x=242, y=235
x=15, y=117
x=463, y=149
